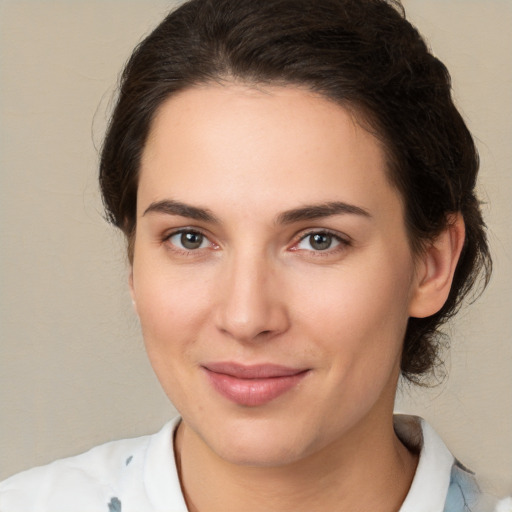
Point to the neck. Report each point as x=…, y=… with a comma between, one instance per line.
x=367, y=469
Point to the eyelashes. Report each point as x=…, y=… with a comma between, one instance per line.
x=318, y=242
x=321, y=241
x=187, y=241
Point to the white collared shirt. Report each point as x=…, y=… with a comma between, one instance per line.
x=140, y=475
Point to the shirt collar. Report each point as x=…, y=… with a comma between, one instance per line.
x=427, y=493
x=432, y=478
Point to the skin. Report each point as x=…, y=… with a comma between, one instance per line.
x=257, y=290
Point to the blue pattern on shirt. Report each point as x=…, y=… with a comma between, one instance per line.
x=463, y=492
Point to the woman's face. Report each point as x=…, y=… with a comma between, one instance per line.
x=272, y=272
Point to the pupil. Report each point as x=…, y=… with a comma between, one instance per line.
x=321, y=242
x=191, y=240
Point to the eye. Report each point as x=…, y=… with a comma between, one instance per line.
x=320, y=241
x=189, y=240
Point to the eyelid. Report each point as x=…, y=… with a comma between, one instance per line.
x=324, y=231
x=188, y=229
x=343, y=239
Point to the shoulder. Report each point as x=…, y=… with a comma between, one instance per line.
x=89, y=481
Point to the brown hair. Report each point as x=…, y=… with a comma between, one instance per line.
x=362, y=54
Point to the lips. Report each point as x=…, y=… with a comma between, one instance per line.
x=253, y=385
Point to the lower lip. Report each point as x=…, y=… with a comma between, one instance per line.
x=252, y=392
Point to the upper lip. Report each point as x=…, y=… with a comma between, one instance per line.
x=255, y=371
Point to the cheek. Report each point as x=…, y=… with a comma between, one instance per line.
x=172, y=306
x=172, y=309
x=353, y=302
x=359, y=315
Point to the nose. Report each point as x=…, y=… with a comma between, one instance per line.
x=251, y=306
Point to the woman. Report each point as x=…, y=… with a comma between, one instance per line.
x=297, y=192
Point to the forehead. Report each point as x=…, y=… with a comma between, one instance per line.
x=279, y=145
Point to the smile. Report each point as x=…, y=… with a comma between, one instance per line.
x=252, y=386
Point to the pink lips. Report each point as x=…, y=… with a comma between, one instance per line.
x=252, y=385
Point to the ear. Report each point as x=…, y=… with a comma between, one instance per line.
x=435, y=268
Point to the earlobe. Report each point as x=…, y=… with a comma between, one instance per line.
x=435, y=269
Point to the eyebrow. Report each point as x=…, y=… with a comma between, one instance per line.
x=318, y=211
x=307, y=212
x=171, y=207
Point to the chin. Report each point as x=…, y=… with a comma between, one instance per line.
x=259, y=443
x=270, y=454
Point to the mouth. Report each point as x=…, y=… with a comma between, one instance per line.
x=253, y=385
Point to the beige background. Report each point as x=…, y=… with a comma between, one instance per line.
x=73, y=371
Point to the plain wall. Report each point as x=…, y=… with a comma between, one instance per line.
x=73, y=372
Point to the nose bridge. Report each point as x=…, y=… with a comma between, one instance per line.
x=250, y=304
